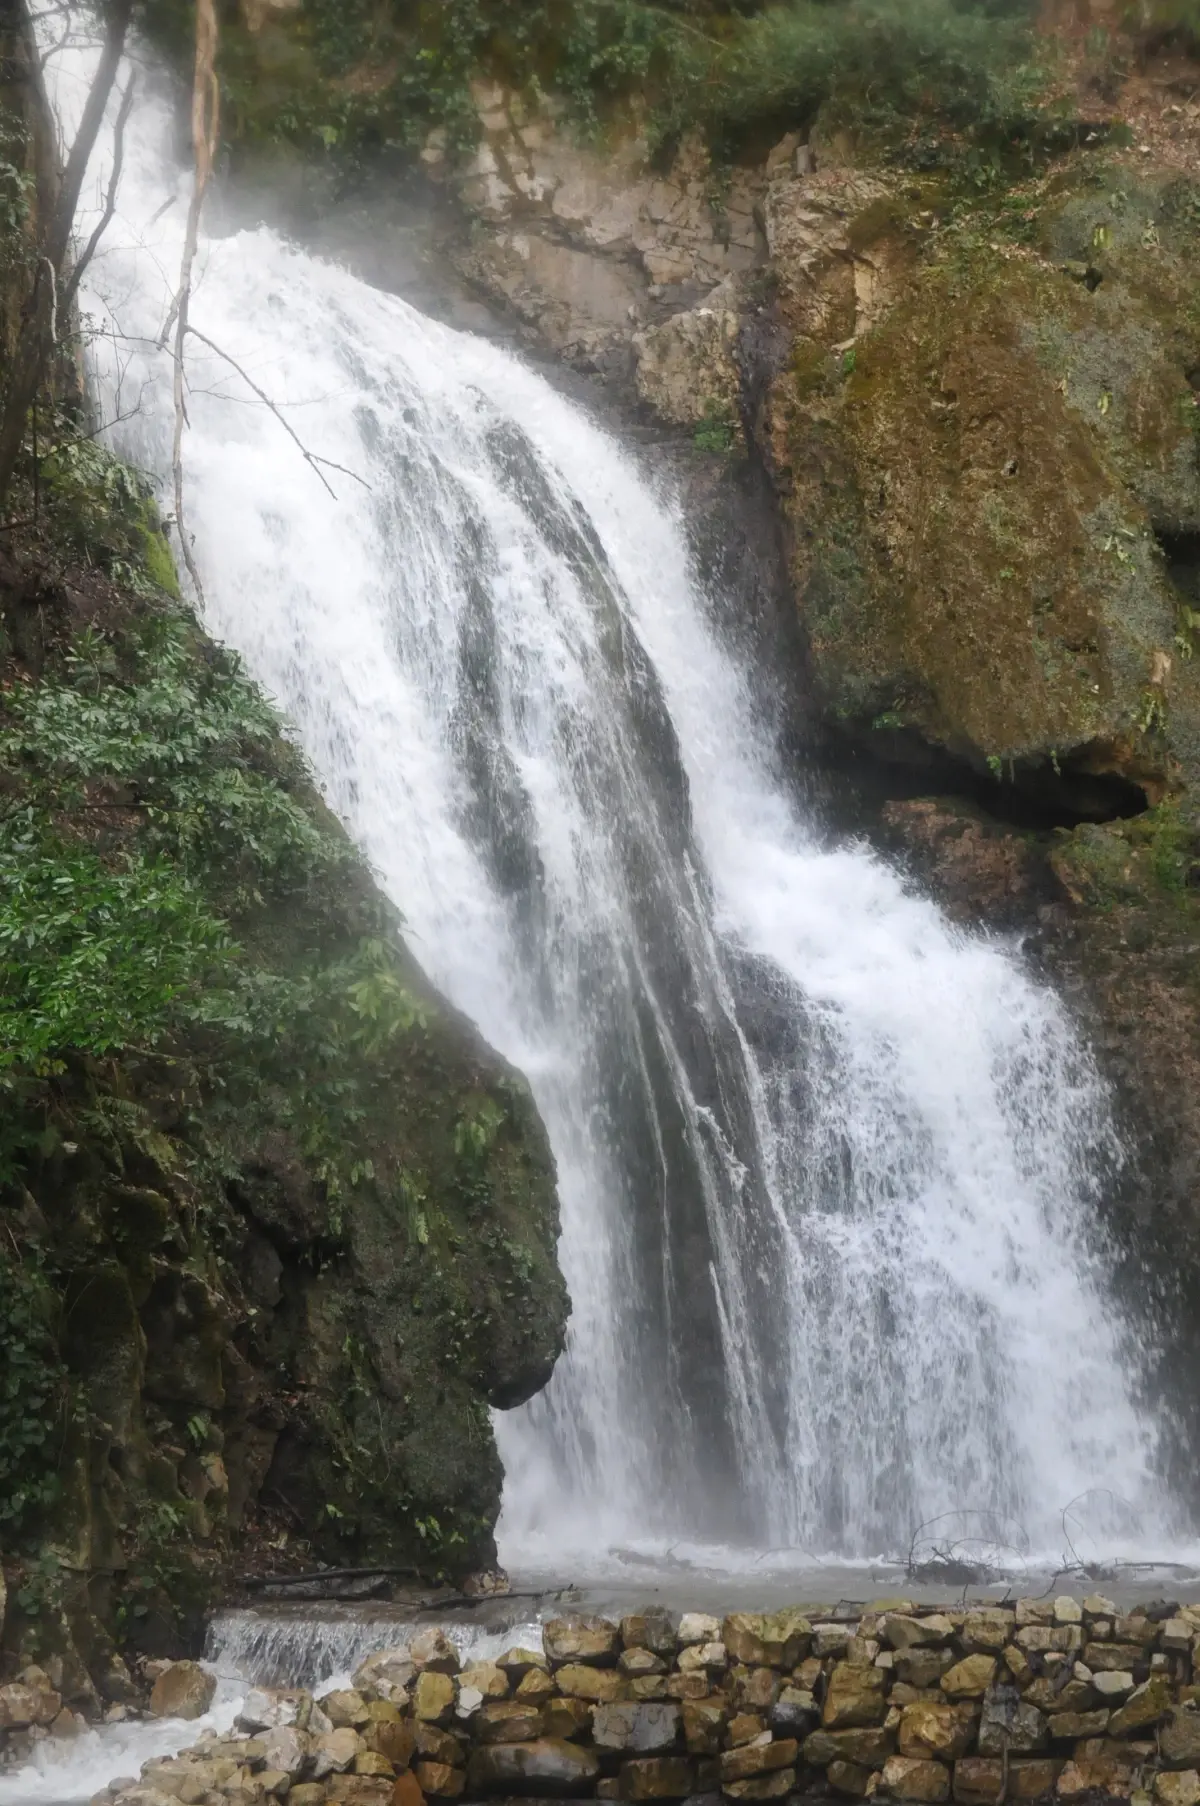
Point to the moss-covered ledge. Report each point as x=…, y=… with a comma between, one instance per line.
x=276, y=1227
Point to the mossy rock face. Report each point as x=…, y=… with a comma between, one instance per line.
x=278, y=1262
x=978, y=496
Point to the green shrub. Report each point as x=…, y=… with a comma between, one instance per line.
x=883, y=63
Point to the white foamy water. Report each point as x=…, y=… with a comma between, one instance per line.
x=64, y=1773
x=828, y=1166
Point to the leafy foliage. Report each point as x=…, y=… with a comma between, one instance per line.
x=882, y=63
x=365, y=76
x=96, y=955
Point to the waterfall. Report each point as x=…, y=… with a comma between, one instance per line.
x=829, y=1167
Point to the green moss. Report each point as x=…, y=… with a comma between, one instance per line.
x=973, y=506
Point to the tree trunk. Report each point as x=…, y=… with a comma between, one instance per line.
x=53, y=243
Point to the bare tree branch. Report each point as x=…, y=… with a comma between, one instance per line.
x=309, y=457
x=206, y=115
x=110, y=199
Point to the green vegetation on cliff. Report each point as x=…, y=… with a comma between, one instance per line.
x=275, y=1227
x=356, y=77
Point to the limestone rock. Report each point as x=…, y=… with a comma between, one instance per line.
x=970, y=1678
x=372, y=1762
x=549, y=1766
x=265, y=1707
x=1178, y=1787
x=344, y=1707
x=581, y=1640
x=923, y=1667
x=386, y=1675
x=508, y=1721
x=286, y=1750
x=979, y=1781
x=1068, y=1727
x=536, y=1685
x=795, y=1713
x=1009, y=1724
x=433, y=1651
x=756, y=1689
x=1179, y=1736
x=488, y=1678
x=690, y=1686
x=182, y=1690
x=775, y=1640
x=941, y=1731
x=855, y=1697
x=22, y=1705
x=845, y=1778
x=517, y=1663
x=650, y=1630
x=601, y=1685
x=433, y=1696
x=1113, y=1684
x=763, y=1787
x=640, y=1662
x=698, y=1627
x=703, y=1722
x=911, y=1778
x=865, y=1748
x=758, y=1758
x=1048, y=1696
x=1147, y=1705
x=437, y=1780
x=656, y=1778
x=1111, y=1658
x=1032, y=1779
x=567, y=1718
x=640, y=1729
x=334, y=1752
x=987, y=1629
x=1095, y=1773
x=711, y=1656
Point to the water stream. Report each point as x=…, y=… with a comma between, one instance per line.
x=827, y=1164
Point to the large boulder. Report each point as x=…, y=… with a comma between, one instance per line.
x=182, y=1690
x=550, y=1767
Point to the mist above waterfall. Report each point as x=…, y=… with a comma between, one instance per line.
x=830, y=1169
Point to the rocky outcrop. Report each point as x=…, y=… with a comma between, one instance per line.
x=1034, y=1700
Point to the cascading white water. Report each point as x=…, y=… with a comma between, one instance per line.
x=825, y=1162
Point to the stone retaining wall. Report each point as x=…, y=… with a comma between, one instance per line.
x=1021, y=1702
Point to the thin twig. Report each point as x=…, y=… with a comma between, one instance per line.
x=206, y=113
x=309, y=457
x=110, y=199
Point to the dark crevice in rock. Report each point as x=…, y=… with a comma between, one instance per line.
x=1182, y=553
x=897, y=765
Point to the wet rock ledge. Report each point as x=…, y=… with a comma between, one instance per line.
x=1015, y=1703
